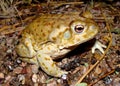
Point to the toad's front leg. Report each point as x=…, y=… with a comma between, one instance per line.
x=48, y=65
x=98, y=46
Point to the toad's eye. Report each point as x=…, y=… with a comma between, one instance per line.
x=79, y=28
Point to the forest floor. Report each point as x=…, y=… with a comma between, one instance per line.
x=85, y=68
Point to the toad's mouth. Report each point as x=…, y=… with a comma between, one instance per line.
x=73, y=46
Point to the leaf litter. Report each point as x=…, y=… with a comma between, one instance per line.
x=14, y=72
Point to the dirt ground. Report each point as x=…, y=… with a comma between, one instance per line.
x=85, y=68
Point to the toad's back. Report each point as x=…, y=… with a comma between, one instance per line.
x=41, y=28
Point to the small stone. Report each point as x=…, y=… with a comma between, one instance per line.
x=107, y=80
x=64, y=77
x=7, y=78
x=2, y=75
x=42, y=78
x=65, y=60
x=10, y=68
x=34, y=68
x=29, y=70
x=18, y=70
x=24, y=70
x=9, y=51
x=36, y=84
x=18, y=61
x=21, y=79
x=23, y=64
x=34, y=78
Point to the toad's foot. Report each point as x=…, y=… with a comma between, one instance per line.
x=98, y=46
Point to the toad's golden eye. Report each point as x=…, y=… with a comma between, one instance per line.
x=79, y=28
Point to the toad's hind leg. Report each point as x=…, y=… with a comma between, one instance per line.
x=25, y=48
x=48, y=65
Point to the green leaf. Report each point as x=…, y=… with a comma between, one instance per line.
x=82, y=84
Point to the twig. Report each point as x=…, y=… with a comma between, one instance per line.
x=3, y=29
x=61, y=3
